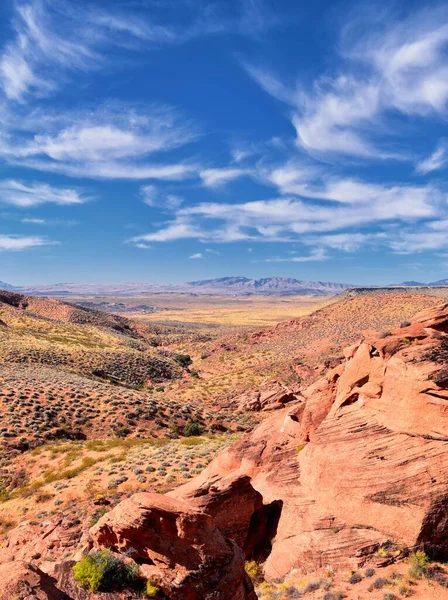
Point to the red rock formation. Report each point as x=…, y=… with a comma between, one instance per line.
x=19, y=580
x=178, y=546
x=363, y=461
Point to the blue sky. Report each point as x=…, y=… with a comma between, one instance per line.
x=166, y=141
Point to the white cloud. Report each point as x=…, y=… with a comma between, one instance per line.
x=433, y=236
x=219, y=177
x=24, y=195
x=16, y=243
x=113, y=141
x=435, y=161
x=34, y=221
x=143, y=246
x=52, y=39
x=197, y=256
x=337, y=206
x=387, y=66
x=43, y=42
x=155, y=197
x=316, y=255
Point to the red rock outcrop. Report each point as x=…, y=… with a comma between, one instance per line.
x=273, y=396
x=178, y=546
x=362, y=462
x=22, y=581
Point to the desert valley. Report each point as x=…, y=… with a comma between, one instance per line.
x=223, y=300
x=193, y=447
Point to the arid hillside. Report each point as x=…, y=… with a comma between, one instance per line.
x=73, y=373
x=340, y=494
x=292, y=353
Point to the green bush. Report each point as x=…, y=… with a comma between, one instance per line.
x=101, y=571
x=192, y=429
x=183, y=359
x=418, y=564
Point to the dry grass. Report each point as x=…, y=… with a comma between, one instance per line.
x=56, y=474
x=230, y=311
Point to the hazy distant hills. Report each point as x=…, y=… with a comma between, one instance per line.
x=223, y=285
x=238, y=286
x=440, y=283
x=269, y=285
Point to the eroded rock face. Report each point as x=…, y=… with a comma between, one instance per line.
x=178, y=546
x=363, y=461
x=22, y=581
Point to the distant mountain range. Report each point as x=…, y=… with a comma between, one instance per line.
x=440, y=283
x=238, y=286
x=269, y=285
x=225, y=285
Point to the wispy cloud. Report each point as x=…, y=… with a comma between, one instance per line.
x=155, y=197
x=25, y=195
x=435, y=161
x=51, y=39
x=16, y=243
x=219, y=177
x=34, y=221
x=113, y=141
x=315, y=256
x=386, y=65
x=196, y=256
x=335, y=206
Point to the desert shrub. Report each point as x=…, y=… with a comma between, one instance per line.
x=96, y=516
x=435, y=573
x=355, y=578
x=378, y=584
x=405, y=591
x=389, y=596
x=385, y=334
x=333, y=596
x=404, y=324
x=369, y=572
x=103, y=572
x=183, y=359
x=418, y=564
x=192, y=429
x=253, y=569
x=151, y=590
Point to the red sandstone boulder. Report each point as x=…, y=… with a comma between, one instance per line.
x=273, y=396
x=22, y=581
x=178, y=546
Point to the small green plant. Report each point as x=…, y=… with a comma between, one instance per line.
x=96, y=516
x=101, y=571
x=183, y=359
x=151, y=590
x=192, y=429
x=418, y=564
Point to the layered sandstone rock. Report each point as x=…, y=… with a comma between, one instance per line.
x=362, y=462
